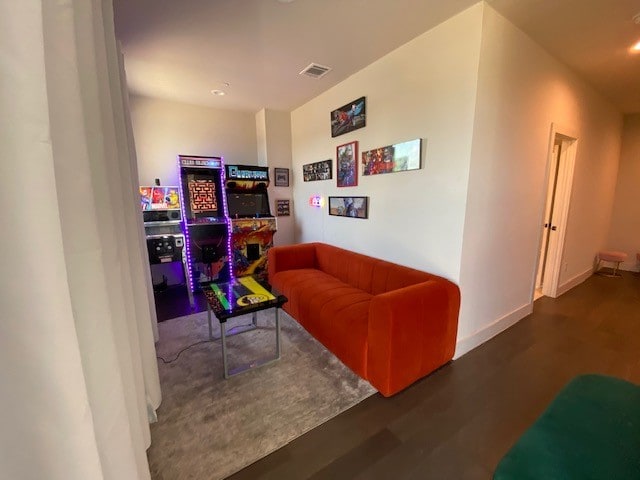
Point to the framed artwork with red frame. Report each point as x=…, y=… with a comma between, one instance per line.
x=347, y=164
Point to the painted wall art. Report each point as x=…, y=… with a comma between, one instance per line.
x=282, y=177
x=355, y=207
x=347, y=164
x=349, y=117
x=283, y=207
x=312, y=172
x=399, y=157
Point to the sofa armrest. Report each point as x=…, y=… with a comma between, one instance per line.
x=291, y=257
x=411, y=332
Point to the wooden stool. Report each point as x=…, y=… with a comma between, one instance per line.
x=613, y=257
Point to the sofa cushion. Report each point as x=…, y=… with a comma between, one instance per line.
x=370, y=274
x=333, y=312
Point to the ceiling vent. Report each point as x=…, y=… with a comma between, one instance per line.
x=315, y=70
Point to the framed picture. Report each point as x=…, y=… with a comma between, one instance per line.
x=317, y=171
x=393, y=158
x=283, y=207
x=347, y=164
x=349, y=117
x=355, y=207
x=282, y=177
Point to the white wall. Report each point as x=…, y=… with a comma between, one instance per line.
x=625, y=222
x=274, y=150
x=424, y=89
x=521, y=91
x=165, y=129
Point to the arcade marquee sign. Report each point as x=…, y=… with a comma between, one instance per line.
x=202, y=162
x=246, y=172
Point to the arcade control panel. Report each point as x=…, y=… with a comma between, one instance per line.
x=165, y=248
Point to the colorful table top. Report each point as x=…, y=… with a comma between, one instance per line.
x=239, y=296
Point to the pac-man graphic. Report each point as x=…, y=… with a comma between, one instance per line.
x=252, y=299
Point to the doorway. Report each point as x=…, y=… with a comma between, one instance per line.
x=561, y=161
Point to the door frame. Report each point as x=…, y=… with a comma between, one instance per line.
x=562, y=202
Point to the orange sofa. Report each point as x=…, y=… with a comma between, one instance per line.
x=390, y=324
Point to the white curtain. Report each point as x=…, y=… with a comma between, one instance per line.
x=78, y=374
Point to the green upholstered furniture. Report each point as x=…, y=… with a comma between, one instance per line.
x=590, y=431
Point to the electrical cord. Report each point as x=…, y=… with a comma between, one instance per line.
x=166, y=362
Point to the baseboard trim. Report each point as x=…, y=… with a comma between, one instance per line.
x=574, y=282
x=476, y=339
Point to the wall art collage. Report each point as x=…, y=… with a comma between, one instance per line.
x=398, y=157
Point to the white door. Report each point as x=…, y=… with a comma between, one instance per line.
x=548, y=215
x=562, y=154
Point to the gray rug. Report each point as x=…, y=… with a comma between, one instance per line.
x=209, y=428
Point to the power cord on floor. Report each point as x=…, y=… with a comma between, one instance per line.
x=183, y=350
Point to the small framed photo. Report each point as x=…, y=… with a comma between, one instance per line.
x=317, y=171
x=347, y=164
x=283, y=207
x=282, y=177
x=355, y=207
x=349, y=117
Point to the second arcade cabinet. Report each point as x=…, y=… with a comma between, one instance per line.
x=252, y=225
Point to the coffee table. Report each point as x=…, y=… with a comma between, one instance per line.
x=236, y=297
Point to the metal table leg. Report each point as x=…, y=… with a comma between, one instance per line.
x=277, y=334
x=258, y=363
x=209, y=319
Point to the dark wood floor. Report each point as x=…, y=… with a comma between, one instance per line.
x=458, y=422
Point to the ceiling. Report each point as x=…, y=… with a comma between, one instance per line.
x=253, y=50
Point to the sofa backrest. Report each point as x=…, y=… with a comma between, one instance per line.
x=370, y=274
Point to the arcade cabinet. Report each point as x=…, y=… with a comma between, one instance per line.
x=252, y=225
x=162, y=218
x=206, y=224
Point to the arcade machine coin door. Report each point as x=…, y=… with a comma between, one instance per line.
x=252, y=225
x=162, y=217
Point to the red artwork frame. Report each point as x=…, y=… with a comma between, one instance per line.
x=347, y=164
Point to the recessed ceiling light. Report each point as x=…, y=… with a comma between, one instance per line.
x=636, y=47
x=219, y=93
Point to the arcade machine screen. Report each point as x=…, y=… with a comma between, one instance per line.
x=202, y=195
x=248, y=205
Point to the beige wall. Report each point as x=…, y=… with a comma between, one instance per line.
x=165, y=129
x=274, y=150
x=521, y=91
x=625, y=222
x=424, y=89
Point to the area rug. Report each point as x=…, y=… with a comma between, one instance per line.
x=209, y=427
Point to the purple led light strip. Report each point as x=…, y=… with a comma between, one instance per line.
x=185, y=228
x=226, y=216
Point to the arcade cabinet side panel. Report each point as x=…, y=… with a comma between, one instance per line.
x=251, y=240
